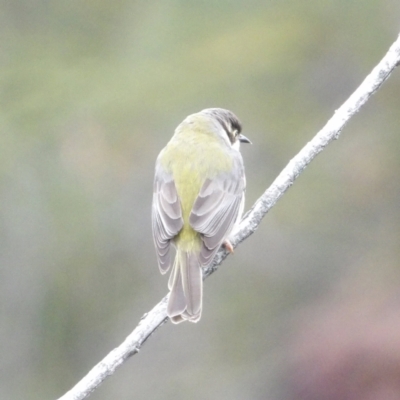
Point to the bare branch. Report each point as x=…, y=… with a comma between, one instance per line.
x=158, y=316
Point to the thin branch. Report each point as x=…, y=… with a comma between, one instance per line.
x=158, y=315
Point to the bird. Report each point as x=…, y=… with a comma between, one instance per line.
x=198, y=198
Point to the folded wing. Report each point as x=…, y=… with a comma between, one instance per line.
x=167, y=218
x=215, y=211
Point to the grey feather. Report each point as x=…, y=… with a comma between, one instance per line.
x=167, y=218
x=217, y=209
x=177, y=301
x=186, y=286
x=192, y=279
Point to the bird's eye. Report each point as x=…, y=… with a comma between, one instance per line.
x=235, y=133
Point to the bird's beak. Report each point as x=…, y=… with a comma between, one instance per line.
x=243, y=139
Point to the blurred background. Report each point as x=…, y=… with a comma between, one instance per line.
x=90, y=91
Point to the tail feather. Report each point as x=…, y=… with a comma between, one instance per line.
x=192, y=278
x=177, y=300
x=186, y=285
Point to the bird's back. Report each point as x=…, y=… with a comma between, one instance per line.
x=191, y=161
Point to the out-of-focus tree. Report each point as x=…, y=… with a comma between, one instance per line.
x=89, y=94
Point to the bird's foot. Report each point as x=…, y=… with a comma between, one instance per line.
x=228, y=246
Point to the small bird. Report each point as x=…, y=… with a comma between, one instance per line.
x=198, y=197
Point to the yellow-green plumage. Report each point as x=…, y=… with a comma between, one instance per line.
x=193, y=155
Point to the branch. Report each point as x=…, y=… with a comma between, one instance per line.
x=158, y=315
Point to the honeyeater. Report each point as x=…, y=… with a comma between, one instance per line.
x=199, y=189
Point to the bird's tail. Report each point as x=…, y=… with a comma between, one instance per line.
x=186, y=286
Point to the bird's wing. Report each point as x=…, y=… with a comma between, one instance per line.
x=167, y=218
x=216, y=209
